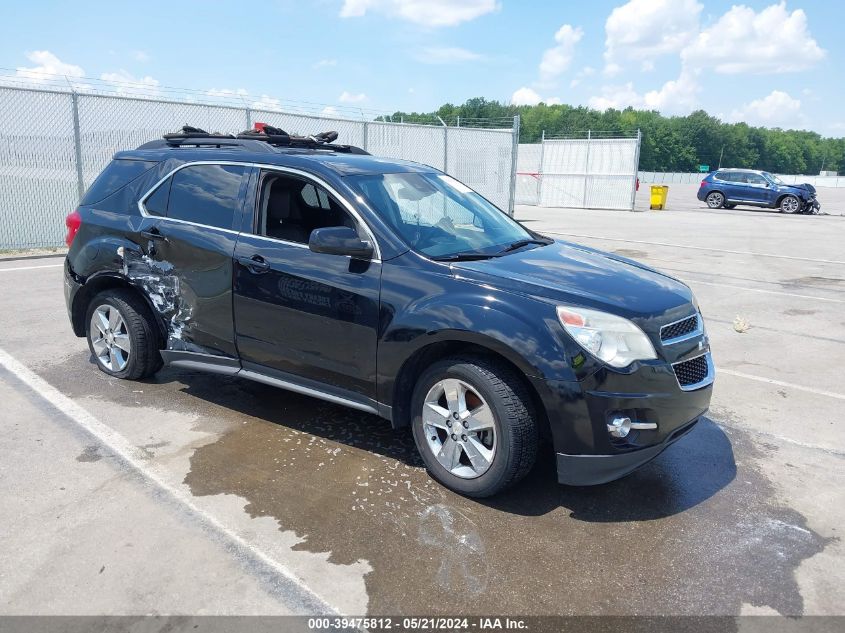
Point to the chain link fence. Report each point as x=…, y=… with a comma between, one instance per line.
x=54, y=144
x=592, y=170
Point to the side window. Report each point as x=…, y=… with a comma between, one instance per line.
x=290, y=208
x=204, y=194
x=156, y=204
x=755, y=179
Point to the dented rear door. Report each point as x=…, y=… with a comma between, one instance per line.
x=188, y=239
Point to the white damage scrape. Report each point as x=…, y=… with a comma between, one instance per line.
x=306, y=579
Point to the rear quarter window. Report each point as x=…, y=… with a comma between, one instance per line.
x=119, y=173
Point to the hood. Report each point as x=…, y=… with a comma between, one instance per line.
x=803, y=187
x=568, y=273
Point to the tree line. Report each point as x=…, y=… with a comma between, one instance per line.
x=676, y=143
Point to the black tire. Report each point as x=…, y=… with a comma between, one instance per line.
x=506, y=394
x=790, y=204
x=143, y=359
x=715, y=199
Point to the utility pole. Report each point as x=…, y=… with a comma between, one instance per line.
x=722, y=151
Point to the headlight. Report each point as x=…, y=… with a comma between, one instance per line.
x=610, y=338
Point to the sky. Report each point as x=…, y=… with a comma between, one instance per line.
x=767, y=62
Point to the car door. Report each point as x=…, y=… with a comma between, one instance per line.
x=300, y=315
x=188, y=239
x=757, y=189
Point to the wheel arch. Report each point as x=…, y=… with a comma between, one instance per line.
x=426, y=355
x=95, y=285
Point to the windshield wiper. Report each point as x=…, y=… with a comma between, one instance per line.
x=463, y=257
x=521, y=243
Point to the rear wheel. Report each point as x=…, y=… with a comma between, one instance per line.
x=715, y=199
x=122, y=335
x=790, y=204
x=473, y=425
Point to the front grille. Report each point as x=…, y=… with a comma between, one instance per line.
x=691, y=372
x=679, y=328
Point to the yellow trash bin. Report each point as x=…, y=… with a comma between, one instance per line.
x=658, y=196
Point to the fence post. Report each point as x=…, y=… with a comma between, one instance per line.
x=514, y=153
x=77, y=144
x=248, y=113
x=540, y=169
x=587, y=168
x=636, y=172
x=366, y=135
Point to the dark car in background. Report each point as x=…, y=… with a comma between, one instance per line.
x=727, y=188
x=391, y=288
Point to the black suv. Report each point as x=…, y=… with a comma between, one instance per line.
x=389, y=287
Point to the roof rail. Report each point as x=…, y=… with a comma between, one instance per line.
x=261, y=139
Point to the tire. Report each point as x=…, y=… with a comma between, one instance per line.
x=729, y=206
x=126, y=342
x=715, y=199
x=506, y=428
x=790, y=204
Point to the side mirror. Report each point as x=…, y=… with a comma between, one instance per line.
x=339, y=240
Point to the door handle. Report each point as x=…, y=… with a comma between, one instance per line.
x=256, y=264
x=153, y=233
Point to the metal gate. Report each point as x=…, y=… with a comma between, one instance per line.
x=590, y=171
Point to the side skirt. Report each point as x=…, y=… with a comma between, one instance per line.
x=258, y=373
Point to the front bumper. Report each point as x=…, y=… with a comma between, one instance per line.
x=579, y=413
x=591, y=470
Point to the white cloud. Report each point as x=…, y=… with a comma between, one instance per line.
x=678, y=96
x=227, y=92
x=349, y=97
x=446, y=55
x=48, y=68
x=329, y=111
x=527, y=96
x=266, y=103
x=744, y=41
x=558, y=58
x=325, y=63
x=141, y=56
x=776, y=109
x=126, y=83
x=643, y=30
x=423, y=12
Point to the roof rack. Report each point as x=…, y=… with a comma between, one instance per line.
x=262, y=138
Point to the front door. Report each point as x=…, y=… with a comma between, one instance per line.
x=185, y=263
x=309, y=315
x=757, y=189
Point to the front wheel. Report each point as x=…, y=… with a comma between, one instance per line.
x=473, y=425
x=790, y=204
x=715, y=200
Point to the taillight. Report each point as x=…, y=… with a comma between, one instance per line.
x=703, y=182
x=73, y=221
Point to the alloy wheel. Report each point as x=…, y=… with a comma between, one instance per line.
x=790, y=204
x=110, y=338
x=715, y=200
x=460, y=428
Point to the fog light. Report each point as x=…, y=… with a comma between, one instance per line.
x=619, y=427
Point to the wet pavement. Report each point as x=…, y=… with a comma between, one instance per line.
x=743, y=515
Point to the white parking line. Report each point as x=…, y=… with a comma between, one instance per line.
x=781, y=383
x=768, y=292
x=5, y=270
x=135, y=459
x=699, y=248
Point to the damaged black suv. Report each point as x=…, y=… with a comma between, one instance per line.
x=389, y=287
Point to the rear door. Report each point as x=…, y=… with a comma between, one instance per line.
x=188, y=237
x=301, y=314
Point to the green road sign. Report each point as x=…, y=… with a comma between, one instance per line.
x=704, y=168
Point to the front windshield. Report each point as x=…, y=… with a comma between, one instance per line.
x=437, y=215
x=773, y=178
